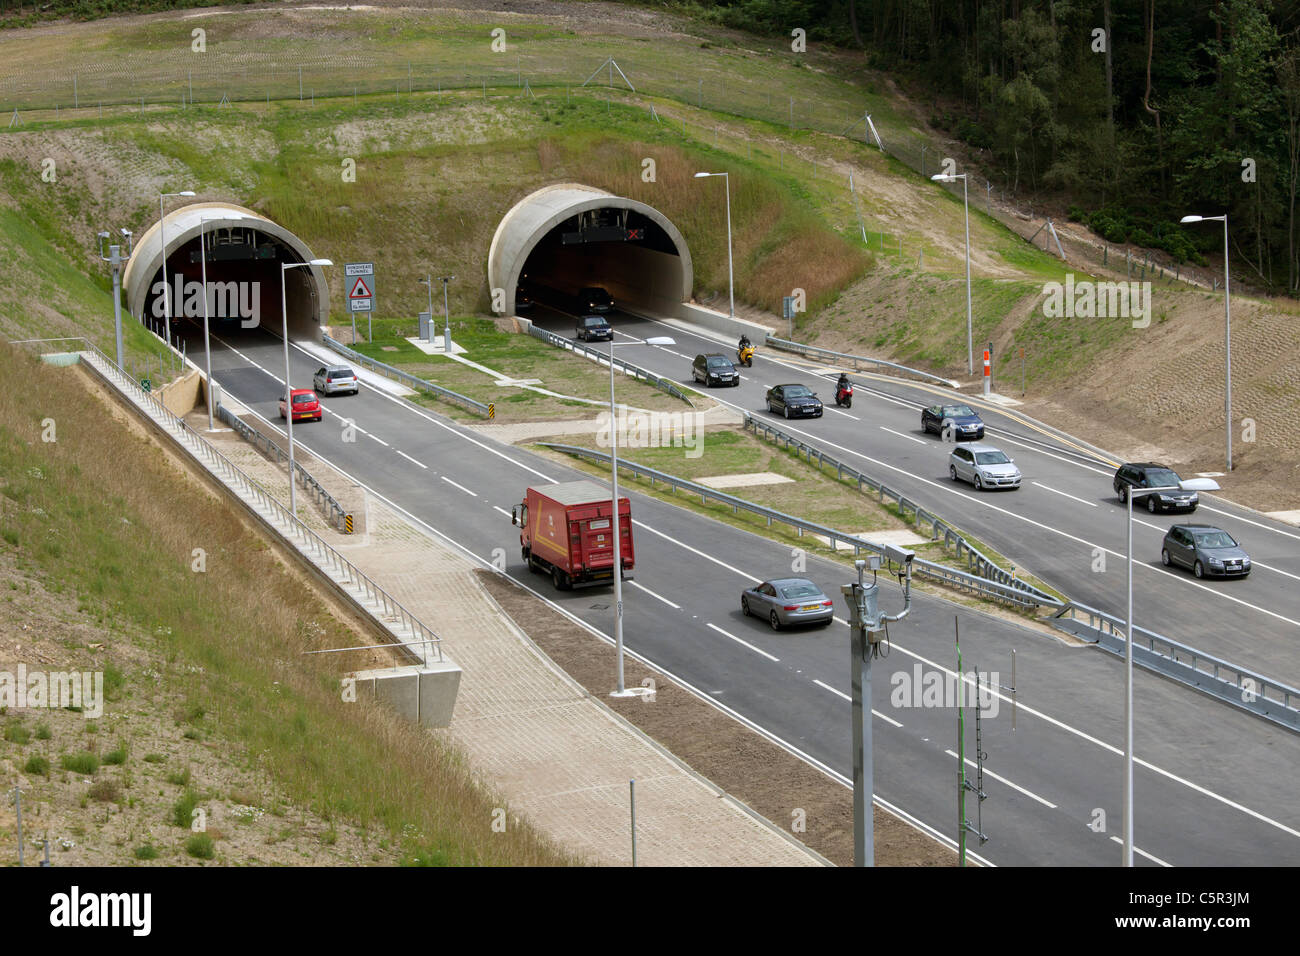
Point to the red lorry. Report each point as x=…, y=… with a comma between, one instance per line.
x=565, y=531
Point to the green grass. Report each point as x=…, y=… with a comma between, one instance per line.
x=201, y=847
x=182, y=813
x=146, y=851
x=37, y=766
x=83, y=763
x=16, y=732
x=359, y=764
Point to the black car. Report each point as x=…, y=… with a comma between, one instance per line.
x=1150, y=475
x=714, y=370
x=961, y=419
x=595, y=299
x=1205, y=551
x=593, y=327
x=793, y=401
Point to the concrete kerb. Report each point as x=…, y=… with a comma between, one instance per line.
x=664, y=752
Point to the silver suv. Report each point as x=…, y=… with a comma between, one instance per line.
x=333, y=379
x=983, y=466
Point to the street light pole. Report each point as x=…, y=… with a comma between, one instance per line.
x=446, y=311
x=288, y=388
x=965, y=202
x=1227, y=325
x=207, y=341
x=731, y=275
x=167, y=295
x=116, y=260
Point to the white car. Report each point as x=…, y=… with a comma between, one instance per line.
x=983, y=466
x=333, y=379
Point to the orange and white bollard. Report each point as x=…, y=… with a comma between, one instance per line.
x=988, y=371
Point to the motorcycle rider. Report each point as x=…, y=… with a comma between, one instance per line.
x=842, y=385
x=744, y=343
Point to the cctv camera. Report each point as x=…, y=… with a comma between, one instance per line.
x=899, y=555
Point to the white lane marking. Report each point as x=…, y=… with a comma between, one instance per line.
x=378, y=439
x=901, y=435
x=1138, y=851
x=876, y=713
x=1013, y=786
x=1090, y=504
x=1033, y=712
x=412, y=460
x=503, y=511
x=455, y=485
x=414, y=409
x=838, y=411
x=642, y=587
x=756, y=650
x=708, y=557
x=832, y=689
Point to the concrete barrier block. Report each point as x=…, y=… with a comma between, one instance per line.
x=397, y=687
x=439, y=684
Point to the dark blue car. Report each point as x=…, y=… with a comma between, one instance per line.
x=958, y=422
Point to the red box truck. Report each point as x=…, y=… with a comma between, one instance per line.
x=565, y=531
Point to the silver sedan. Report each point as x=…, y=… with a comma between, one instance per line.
x=787, y=601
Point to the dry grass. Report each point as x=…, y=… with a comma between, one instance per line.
x=105, y=512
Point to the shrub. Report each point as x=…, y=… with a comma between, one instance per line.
x=179, y=777
x=16, y=732
x=200, y=847
x=86, y=763
x=116, y=757
x=37, y=766
x=105, y=791
x=43, y=731
x=146, y=852
x=183, y=809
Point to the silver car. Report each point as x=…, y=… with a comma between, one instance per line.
x=333, y=379
x=788, y=601
x=1205, y=551
x=983, y=466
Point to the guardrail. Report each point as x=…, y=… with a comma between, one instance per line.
x=975, y=559
x=348, y=573
x=404, y=377
x=856, y=360
x=326, y=501
x=596, y=355
x=1242, y=688
x=1023, y=596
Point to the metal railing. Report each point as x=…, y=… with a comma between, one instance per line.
x=344, y=573
x=1023, y=596
x=602, y=358
x=324, y=500
x=854, y=360
x=1242, y=688
x=404, y=377
x=975, y=559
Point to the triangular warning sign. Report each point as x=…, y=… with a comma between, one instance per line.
x=359, y=289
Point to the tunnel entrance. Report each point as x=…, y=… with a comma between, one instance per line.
x=563, y=238
x=244, y=255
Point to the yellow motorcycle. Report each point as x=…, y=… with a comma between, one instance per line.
x=745, y=353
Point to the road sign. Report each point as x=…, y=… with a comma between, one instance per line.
x=146, y=385
x=361, y=293
x=492, y=410
x=359, y=269
x=787, y=307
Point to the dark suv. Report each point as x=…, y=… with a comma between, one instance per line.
x=593, y=327
x=1150, y=475
x=715, y=370
x=595, y=299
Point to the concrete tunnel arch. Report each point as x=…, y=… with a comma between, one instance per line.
x=243, y=246
x=657, y=273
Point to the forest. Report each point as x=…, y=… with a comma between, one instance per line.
x=1130, y=113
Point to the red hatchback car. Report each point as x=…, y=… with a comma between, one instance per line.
x=306, y=407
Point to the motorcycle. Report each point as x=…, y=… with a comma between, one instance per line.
x=844, y=396
x=746, y=355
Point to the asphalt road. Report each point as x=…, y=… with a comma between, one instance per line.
x=1212, y=785
x=1064, y=524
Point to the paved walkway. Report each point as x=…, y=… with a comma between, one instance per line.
x=558, y=756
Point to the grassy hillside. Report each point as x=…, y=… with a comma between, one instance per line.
x=103, y=516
